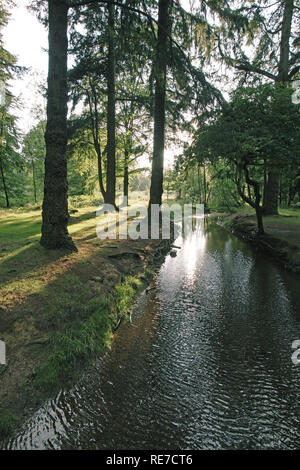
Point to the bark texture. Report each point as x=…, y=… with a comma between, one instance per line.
x=126, y=175
x=156, y=189
x=55, y=203
x=271, y=194
x=110, y=195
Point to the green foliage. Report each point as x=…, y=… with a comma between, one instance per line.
x=248, y=127
x=7, y=60
x=11, y=162
x=257, y=51
x=34, y=151
x=245, y=131
x=82, y=159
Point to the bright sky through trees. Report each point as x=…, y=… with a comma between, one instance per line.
x=31, y=51
x=26, y=38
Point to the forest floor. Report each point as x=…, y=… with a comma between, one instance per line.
x=282, y=237
x=57, y=310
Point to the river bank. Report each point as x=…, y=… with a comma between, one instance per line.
x=60, y=310
x=204, y=365
x=281, y=239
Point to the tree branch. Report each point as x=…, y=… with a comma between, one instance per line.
x=250, y=68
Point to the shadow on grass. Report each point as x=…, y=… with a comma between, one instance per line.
x=64, y=327
x=20, y=251
x=75, y=219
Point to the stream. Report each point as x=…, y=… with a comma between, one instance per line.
x=205, y=364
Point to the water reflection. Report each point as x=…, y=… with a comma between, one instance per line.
x=193, y=244
x=207, y=364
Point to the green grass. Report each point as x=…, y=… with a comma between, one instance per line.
x=71, y=305
x=76, y=347
x=7, y=423
x=286, y=216
x=87, y=338
x=124, y=294
x=20, y=227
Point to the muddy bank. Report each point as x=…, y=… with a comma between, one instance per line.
x=283, y=251
x=53, y=334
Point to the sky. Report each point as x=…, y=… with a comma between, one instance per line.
x=27, y=39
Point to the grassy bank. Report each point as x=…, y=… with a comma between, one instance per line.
x=282, y=234
x=58, y=310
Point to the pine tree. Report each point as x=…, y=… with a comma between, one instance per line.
x=55, y=203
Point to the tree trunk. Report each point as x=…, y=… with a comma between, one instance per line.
x=283, y=75
x=257, y=197
x=272, y=189
x=265, y=183
x=33, y=181
x=126, y=175
x=249, y=191
x=204, y=183
x=280, y=189
x=94, y=118
x=110, y=196
x=4, y=183
x=271, y=193
x=291, y=193
x=2, y=171
x=259, y=219
x=55, y=204
x=100, y=177
x=296, y=185
x=199, y=181
x=156, y=189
